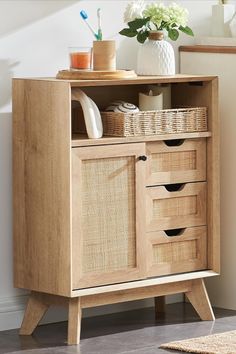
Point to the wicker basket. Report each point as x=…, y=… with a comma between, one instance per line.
x=180, y=120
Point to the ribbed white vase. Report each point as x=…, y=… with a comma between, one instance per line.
x=156, y=56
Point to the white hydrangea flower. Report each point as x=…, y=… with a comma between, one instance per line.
x=156, y=16
x=158, y=12
x=134, y=10
x=178, y=15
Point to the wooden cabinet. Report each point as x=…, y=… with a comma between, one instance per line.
x=101, y=221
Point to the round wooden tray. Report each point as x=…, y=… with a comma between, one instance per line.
x=95, y=75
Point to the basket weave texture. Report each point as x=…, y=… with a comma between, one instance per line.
x=108, y=214
x=168, y=121
x=175, y=252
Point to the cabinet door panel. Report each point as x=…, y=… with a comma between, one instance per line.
x=108, y=185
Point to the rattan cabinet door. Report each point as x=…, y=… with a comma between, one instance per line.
x=108, y=226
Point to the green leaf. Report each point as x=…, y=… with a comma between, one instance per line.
x=138, y=23
x=186, y=30
x=173, y=34
x=142, y=36
x=128, y=32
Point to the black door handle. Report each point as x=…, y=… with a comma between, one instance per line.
x=143, y=158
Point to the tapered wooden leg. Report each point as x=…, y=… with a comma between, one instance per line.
x=74, y=321
x=34, y=312
x=199, y=299
x=160, y=304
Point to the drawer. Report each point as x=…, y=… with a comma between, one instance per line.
x=176, y=206
x=174, y=161
x=176, y=251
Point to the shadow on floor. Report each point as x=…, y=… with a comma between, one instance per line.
x=128, y=332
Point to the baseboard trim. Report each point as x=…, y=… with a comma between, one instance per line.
x=12, y=310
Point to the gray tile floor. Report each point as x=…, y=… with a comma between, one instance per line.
x=134, y=332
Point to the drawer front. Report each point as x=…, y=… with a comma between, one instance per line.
x=171, y=209
x=175, y=161
x=182, y=251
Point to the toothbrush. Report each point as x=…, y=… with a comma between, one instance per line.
x=84, y=16
x=99, y=35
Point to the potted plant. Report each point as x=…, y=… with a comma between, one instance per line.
x=148, y=23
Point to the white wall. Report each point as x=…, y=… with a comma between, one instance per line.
x=34, y=37
x=222, y=289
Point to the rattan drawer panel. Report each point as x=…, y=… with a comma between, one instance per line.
x=176, y=161
x=184, y=252
x=185, y=207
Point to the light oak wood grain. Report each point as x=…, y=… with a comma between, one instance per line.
x=207, y=95
x=167, y=210
x=82, y=140
x=131, y=295
x=41, y=186
x=51, y=223
x=38, y=303
x=74, y=321
x=213, y=182
x=145, y=283
x=35, y=310
x=117, y=253
x=185, y=252
x=145, y=80
x=95, y=75
x=105, y=95
x=199, y=299
x=176, y=164
x=178, y=78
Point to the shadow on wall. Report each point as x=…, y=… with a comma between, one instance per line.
x=127, y=54
x=16, y=14
x=6, y=75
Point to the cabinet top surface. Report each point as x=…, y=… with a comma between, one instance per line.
x=133, y=81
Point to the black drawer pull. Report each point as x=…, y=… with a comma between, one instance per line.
x=174, y=142
x=174, y=232
x=174, y=187
x=142, y=158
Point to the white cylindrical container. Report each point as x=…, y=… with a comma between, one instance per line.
x=222, y=14
x=150, y=101
x=165, y=90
